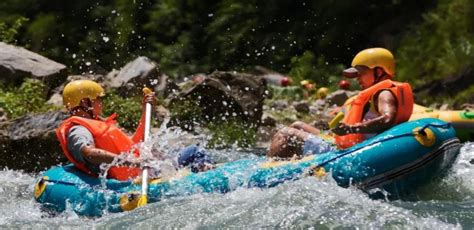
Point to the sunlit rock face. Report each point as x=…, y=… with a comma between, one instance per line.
x=17, y=63
x=137, y=70
x=29, y=143
x=226, y=95
x=138, y=73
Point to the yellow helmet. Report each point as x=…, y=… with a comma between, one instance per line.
x=376, y=57
x=75, y=91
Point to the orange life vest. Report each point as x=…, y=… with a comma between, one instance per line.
x=354, y=108
x=107, y=136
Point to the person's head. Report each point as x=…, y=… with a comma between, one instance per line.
x=371, y=66
x=284, y=147
x=196, y=159
x=83, y=96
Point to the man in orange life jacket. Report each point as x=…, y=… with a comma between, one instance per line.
x=88, y=141
x=380, y=105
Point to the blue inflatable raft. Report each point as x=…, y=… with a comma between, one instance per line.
x=397, y=161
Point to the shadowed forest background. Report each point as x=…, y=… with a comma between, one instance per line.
x=432, y=40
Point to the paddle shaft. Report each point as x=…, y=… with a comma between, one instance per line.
x=146, y=137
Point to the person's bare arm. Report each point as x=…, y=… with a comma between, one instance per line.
x=98, y=156
x=387, y=108
x=305, y=127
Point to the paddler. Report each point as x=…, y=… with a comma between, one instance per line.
x=380, y=105
x=88, y=140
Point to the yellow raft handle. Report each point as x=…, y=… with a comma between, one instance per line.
x=40, y=187
x=129, y=201
x=316, y=171
x=425, y=136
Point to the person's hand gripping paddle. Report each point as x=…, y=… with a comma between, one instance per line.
x=143, y=200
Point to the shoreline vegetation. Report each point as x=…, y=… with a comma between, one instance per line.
x=313, y=41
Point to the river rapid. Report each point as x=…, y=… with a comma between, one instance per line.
x=447, y=203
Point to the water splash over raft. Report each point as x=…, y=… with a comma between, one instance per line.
x=303, y=203
x=398, y=161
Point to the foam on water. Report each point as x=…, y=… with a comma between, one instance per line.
x=443, y=204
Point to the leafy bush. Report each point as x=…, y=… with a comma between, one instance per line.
x=7, y=33
x=128, y=109
x=463, y=97
x=294, y=93
x=224, y=133
x=232, y=132
x=185, y=113
x=29, y=98
x=308, y=67
x=440, y=46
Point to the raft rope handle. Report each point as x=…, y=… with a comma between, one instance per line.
x=420, y=131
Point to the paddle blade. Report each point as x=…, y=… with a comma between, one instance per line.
x=142, y=201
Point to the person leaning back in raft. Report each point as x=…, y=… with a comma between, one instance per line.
x=89, y=141
x=380, y=105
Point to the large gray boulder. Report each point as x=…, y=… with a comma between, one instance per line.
x=139, y=73
x=29, y=143
x=17, y=63
x=226, y=95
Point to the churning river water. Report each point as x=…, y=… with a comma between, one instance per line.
x=447, y=203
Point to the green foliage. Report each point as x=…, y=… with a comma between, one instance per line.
x=462, y=97
x=303, y=67
x=225, y=133
x=308, y=67
x=440, y=46
x=232, y=132
x=128, y=109
x=8, y=33
x=294, y=93
x=30, y=97
x=185, y=113
x=188, y=36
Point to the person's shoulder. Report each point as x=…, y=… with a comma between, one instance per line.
x=78, y=130
x=386, y=95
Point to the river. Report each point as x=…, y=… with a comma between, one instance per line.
x=444, y=204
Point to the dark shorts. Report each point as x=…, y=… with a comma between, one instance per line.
x=317, y=145
x=194, y=157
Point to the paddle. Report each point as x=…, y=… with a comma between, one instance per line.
x=335, y=121
x=143, y=200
